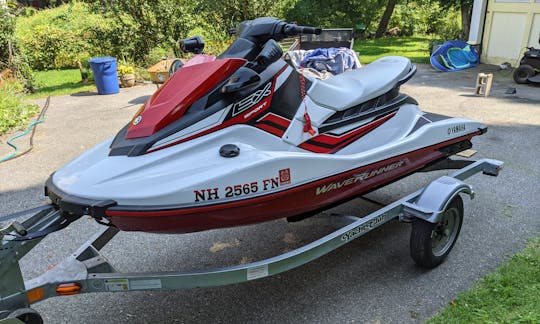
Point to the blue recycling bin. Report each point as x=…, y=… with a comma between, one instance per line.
x=105, y=75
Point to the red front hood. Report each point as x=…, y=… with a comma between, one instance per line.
x=180, y=91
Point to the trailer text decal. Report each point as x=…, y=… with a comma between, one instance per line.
x=358, y=177
x=364, y=228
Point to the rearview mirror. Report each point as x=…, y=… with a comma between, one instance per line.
x=193, y=45
x=270, y=53
x=242, y=79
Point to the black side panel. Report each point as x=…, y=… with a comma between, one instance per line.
x=365, y=110
x=419, y=123
x=287, y=98
x=435, y=117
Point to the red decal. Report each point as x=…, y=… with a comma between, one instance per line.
x=307, y=125
x=284, y=176
x=332, y=143
x=276, y=119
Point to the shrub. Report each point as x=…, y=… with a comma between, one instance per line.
x=160, y=23
x=330, y=14
x=58, y=38
x=14, y=110
x=215, y=38
x=426, y=17
x=157, y=54
x=449, y=26
x=125, y=69
x=7, y=29
x=10, y=56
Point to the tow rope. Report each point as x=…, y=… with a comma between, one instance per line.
x=308, y=128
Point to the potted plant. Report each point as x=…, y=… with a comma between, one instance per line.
x=127, y=75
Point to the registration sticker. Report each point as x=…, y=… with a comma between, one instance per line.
x=117, y=284
x=284, y=176
x=145, y=284
x=257, y=272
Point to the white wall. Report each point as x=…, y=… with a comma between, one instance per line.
x=477, y=21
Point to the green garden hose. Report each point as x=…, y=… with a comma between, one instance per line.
x=31, y=127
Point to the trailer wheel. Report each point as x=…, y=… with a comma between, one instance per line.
x=27, y=316
x=431, y=243
x=523, y=73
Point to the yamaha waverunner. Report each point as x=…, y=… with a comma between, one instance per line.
x=247, y=138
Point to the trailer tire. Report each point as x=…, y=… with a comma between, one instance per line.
x=27, y=316
x=431, y=243
x=523, y=73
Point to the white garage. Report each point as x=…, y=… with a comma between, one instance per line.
x=503, y=28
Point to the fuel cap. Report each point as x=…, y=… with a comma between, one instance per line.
x=229, y=150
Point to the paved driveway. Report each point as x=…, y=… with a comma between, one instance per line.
x=369, y=280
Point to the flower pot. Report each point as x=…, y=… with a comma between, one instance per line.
x=127, y=80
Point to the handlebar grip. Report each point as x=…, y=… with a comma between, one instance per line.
x=310, y=30
x=293, y=30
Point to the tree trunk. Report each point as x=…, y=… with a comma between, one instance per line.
x=466, y=12
x=385, y=19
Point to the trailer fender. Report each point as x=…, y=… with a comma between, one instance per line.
x=433, y=200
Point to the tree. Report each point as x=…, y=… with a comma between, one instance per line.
x=152, y=23
x=385, y=19
x=10, y=56
x=333, y=14
x=231, y=12
x=465, y=7
x=466, y=13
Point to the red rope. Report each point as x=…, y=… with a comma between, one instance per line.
x=308, y=128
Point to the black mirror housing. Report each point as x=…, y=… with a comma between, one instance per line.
x=242, y=79
x=193, y=45
x=270, y=53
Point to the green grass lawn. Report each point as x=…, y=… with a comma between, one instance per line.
x=511, y=294
x=416, y=48
x=59, y=82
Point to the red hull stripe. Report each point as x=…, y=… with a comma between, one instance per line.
x=281, y=204
x=325, y=143
x=276, y=119
x=271, y=129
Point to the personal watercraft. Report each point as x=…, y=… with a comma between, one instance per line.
x=247, y=138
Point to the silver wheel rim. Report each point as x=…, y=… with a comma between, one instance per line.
x=445, y=232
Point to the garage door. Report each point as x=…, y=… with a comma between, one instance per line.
x=511, y=25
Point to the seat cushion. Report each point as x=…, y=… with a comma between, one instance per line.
x=354, y=87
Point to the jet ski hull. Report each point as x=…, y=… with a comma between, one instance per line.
x=297, y=145
x=310, y=197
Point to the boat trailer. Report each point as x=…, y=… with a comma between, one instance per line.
x=436, y=212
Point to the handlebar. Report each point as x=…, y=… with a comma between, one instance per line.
x=293, y=30
x=260, y=30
